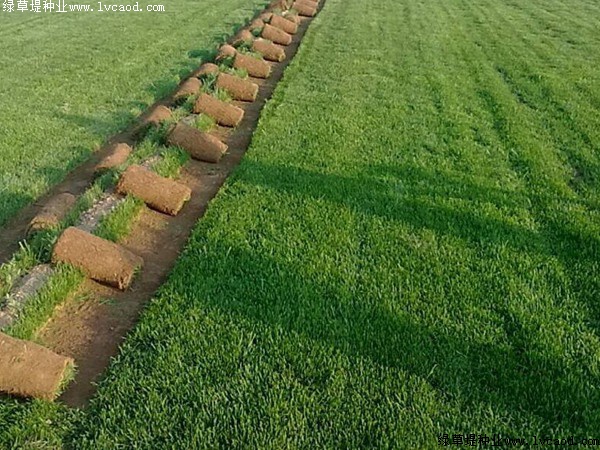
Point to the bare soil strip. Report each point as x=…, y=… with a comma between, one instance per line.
x=90, y=326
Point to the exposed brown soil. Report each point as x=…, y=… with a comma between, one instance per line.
x=30, y=370
x=200, y=146
x=284, y=24
x=91, y=331
x=276, y=35
x=239, y=89
x=52, y=213
x=99, y=259
x=189, y=87
x=224, y=113
x=270, y=51
x=118, y=155
x=162, y=194
x=255, y=67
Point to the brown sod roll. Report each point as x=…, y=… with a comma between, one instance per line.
x=283, y=24
x=256, y=23
x=313, y=3
x=206, y=69
x=269, y=50
x=239, y=89
x=101, y=260
x=243, y=37
x=276, y=35
x=162, y=194
x=29, y=370
x=226, y=51
x=292, y=17
x=159, y=114
x=255, y=67
x=279, y=4
x=224, y=113
x=189, y=87
x=305, y=9
x=117, y=156
x=200, y=146
x=52, y=213
x=266, y=16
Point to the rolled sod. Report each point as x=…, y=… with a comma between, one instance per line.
x=305, y=9
x=224, y=113
x=256, y=23
x=276, y=35
x=159, y=114
x=243, y=37
x=200, y=146
x=52, y=213
x=206, y=69
x=284, y=24
x=292, y=17
x=29, y=370
x=270, y=51
x=255, y=67
x=239, y=89
x=101, y=260
x=189, y=87
x=118, y=154
x=279, y=4
x=161, y=194
x=266, y=16
x=226, y=51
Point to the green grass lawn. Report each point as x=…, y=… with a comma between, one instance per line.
x=410, y=248
x=69, y=81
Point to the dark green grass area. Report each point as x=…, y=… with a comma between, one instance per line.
x=410, y=248
x=70, y=80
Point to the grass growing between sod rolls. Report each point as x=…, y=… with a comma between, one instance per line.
x=69, y=81
x=410, y=248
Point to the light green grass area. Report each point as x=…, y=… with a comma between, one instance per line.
x=70, y=80
x=410, y=248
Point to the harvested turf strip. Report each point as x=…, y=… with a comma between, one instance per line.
x=159, y=193
x=284, y=24
x=305, y=9
x=52, y=213
x=239, y=89
x=117, y=156
x=255, y=67
x=270, y=51
x=101, y=260
x=158, y=115
x=200, y=146
x=276, y=35
x=224, y=113
x=188, y=88
x=256, y=24
x=266, y=16
x=242, y=37
x=226, y=51
x=30, y=370
x=206, y=69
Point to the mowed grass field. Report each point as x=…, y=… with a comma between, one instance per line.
x=70, y=80
x=409, y=249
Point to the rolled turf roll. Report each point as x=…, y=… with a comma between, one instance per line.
x=293, y=17
x=206, y=69
x=200, y=146
x=117, y=155
x=52, y=213
x=281, y=5
x=226, y=51
x=161, y=194
x=29, y=370
x=256, y=24
x=101, y=260
x=224, y=113
x=305, y=9
x=266, y=16
x=242, y=37
x=255, y=67
x=239, y=89
x=276, y=35
x=284, y=24
x=270, y=51
x=158, y=115
x=189, y=87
